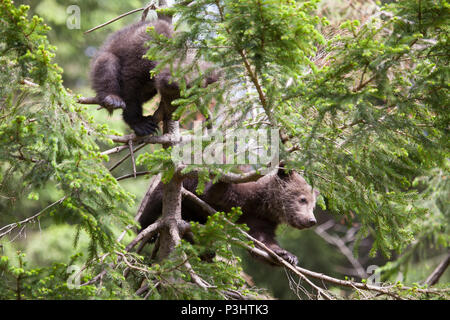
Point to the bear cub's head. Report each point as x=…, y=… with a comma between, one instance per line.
x=295, y=199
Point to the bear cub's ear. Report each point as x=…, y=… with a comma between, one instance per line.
x=316, y=193
x=282, y=171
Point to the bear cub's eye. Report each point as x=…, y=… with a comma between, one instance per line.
x=303, y=200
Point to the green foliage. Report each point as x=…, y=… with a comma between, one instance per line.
x=75, y=49
x=365, y=124
x=436, y=189
x=158, y=161
x=364, y=110
x=379, y=119
x=432, y=235
x=21, y=282
x=46, y=137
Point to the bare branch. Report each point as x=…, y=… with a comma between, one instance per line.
x=88, y=100
x=115, y=19
x=10, y=227
x=226, y=177
x=114, y=150
x=133, y=175
x=340, y=244
x=434, y=277
x=29, y=83
x=130, y=266
x=240, y=178
x=130, y=144
x=163, y=139
x=118, y=163
x=147, y=8
x=153, y=184
x=144, y=234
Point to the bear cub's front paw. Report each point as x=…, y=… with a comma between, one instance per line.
x=286, y=255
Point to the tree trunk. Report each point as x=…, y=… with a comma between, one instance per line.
x=171, y=209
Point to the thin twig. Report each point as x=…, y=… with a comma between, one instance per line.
x=12, y=226
x=146, y=10
x=153, y=184
x=129, y=264
x=114, y=150
x=336, y=241
x=144, y=234
x=118, y=163
x=130, y=144
x=133, y=175
x=115, y=19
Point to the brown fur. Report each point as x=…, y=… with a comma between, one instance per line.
x=272, y=200
x=121, y=76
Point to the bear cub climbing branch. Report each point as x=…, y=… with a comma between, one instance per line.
x=280, y=197
x=121, y=77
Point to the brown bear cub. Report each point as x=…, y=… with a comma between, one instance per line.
x=121, y=77
x=274, y=199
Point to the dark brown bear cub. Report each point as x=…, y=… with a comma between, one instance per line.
x=121, y=76
x=274, y=199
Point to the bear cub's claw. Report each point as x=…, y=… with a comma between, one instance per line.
x=286, y=255
x=112, y=102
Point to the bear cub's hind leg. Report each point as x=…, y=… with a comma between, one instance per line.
x=142, y=125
